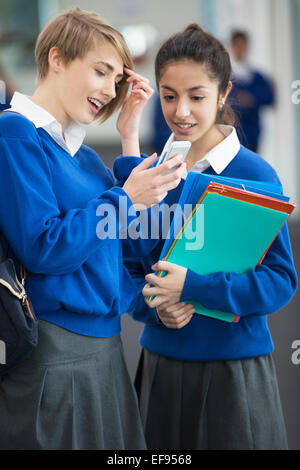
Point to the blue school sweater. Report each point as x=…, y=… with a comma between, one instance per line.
x=251, y=296
x=54, y=212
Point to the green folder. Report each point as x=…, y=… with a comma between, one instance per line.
x=227, y=233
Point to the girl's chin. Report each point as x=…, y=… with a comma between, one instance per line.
x=86, y=120
x=189, y=137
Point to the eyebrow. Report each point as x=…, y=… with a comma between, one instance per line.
x=189, y=89
x=109, y=67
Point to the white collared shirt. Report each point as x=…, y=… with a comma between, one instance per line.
x=220, y=156
x=74, y=133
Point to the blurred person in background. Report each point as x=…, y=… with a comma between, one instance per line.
x=251, y=91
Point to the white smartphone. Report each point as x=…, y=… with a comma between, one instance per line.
x=179, y=146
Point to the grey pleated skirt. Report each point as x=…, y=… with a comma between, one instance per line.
x=218, y=405
x=74, y=392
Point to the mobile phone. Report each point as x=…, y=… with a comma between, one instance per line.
x=179, y=146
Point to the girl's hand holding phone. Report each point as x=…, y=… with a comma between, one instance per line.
x=149, y=186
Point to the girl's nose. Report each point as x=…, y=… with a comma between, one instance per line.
x=109, y=90
x=183, y=109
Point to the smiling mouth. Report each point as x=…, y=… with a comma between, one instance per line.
x=184, y=126
x=95, y=105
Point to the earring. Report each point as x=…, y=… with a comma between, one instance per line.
x=222, y=105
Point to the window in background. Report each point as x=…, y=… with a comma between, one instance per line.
x=19, y=26
x=140, y=39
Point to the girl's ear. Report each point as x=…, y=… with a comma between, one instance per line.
x=223, y=96
x=229, y=88
x=55, y=60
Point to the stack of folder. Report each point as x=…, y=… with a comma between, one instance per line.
x=237, y=223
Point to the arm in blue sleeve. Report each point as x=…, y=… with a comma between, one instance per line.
x=143, y=231
x=140, y=310
x=43, y=238
x=123, y=166
x=259, y=291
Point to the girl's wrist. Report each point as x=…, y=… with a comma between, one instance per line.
x=131, y=147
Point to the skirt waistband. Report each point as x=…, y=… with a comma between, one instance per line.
x=58, y=345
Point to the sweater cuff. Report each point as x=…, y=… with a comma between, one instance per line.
x=123, y=165
x=193, y=284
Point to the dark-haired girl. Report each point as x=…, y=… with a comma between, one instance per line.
x=204, y=383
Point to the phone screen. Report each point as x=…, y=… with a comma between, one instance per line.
x=181, y=147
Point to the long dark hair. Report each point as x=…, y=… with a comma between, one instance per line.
x=199, y=46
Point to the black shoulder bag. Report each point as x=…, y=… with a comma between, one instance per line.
x=18, y=323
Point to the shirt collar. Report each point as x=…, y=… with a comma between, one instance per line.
x=220, y=156
x=74, y=133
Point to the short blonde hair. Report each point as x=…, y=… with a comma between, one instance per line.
x=75, y=32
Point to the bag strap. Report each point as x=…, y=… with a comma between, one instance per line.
x=23, y=271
